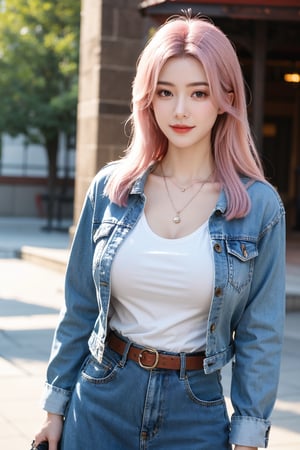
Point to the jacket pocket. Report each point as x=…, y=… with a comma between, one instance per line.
x=241, y=258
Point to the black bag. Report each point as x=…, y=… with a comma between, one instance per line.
x=42, y=446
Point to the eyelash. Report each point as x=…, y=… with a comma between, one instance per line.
x=166, y=93
x=202, y=94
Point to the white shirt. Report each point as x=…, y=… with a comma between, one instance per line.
x=162, y=289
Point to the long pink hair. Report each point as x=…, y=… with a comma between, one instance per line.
x=233, y=148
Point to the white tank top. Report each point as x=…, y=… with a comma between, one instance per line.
x=162, y=289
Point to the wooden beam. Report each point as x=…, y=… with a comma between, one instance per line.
x=227, y=10
x=282, y=3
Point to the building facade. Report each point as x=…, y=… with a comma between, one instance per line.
x=24, y=176
x=266, y=35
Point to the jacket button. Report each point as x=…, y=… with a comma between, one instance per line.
x=218, y=292
x=213, y=327
x=218, y=248
x=218, y=213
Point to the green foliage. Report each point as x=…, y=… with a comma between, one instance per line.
x=39, y=47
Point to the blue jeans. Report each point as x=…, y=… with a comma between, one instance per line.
x=117, y=405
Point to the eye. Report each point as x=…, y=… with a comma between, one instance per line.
x=199, y=94
x=164, y=93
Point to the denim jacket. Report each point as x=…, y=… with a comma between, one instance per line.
x=246, y=317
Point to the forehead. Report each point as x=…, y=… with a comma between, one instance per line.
x=182, y=70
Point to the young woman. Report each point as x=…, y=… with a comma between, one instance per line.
x=176, y=268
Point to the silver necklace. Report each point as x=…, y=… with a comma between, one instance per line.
x=186, y=188
x=177, y=218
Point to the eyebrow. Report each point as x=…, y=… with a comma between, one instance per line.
x=195, y=83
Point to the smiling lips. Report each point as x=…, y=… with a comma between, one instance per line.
x=181, y=129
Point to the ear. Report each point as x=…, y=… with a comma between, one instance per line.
x=230, y=97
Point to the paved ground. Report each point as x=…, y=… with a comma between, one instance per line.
x=31, y=295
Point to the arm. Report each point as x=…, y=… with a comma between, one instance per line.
x=258, y=342
x=70, y=344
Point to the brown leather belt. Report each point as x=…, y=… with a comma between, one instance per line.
x=150, y=358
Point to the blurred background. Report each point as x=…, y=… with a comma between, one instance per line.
x=66, y=70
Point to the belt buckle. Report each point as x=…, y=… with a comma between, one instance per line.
x=150, y=350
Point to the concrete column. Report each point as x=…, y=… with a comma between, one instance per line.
x=258, y=89
x=112, y=36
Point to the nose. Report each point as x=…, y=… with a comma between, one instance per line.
x=181, y=108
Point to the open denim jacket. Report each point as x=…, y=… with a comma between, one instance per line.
x=246, y=318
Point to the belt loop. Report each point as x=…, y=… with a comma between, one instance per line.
x=182, y=366
x=124, y=356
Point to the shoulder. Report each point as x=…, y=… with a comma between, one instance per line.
x=266, y=211
x=99, y=181
x=104, y=173
x=264, y=196
x=267, y=208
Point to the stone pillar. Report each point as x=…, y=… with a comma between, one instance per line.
x=258, y=81
x=112, y=35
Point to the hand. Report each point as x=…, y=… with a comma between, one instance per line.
x=51, y=431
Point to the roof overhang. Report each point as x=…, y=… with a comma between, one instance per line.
x=277, y=10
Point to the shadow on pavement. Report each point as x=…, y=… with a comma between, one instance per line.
x=12, y=307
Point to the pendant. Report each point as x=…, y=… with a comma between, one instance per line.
x=176, y=219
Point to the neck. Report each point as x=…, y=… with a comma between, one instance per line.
x=187, y=169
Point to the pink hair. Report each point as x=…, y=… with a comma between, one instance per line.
x=233, y=148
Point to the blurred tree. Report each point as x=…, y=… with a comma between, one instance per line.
x=39, y=48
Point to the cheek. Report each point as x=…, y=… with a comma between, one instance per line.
x=213, y=117
x=209, y=115
x=159, y=115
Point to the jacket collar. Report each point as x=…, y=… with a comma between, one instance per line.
x=139, y=185
x=221, y=203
